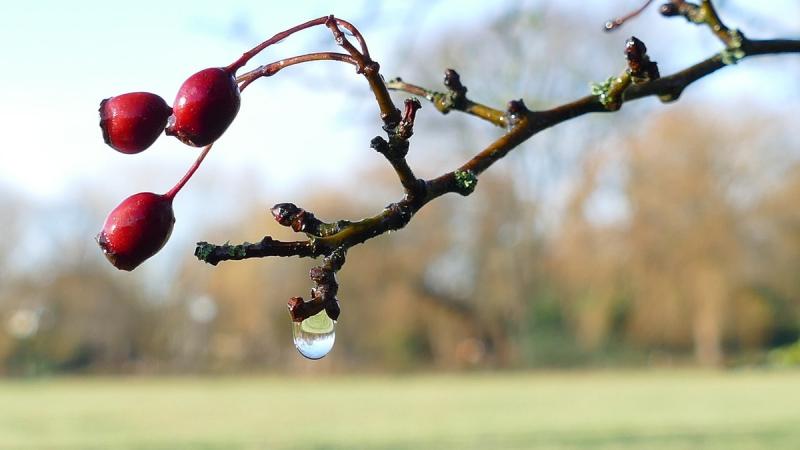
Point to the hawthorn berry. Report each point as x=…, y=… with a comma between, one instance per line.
x=132, y=122
x=136, y=229
x=206, y=104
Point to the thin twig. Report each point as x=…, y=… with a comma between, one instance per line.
x=444, y=102
x=271, y=69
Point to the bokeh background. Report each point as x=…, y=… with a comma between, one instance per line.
x=627, y=280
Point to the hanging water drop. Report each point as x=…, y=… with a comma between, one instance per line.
x=314, y=337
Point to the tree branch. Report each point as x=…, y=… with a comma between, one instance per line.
x=640, y=79
x=526, y=124
x=213, y=254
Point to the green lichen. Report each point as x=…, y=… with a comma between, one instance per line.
x=235, y=251
x=601, y=89
x=734, y=52
x=204, y=250
x=466, y=180
x=607, y=92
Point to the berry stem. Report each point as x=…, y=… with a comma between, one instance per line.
x=616, y=23
x=189, y=173
x=179, y=185
x=356, y=34
x=247, y=56
x=273, y=68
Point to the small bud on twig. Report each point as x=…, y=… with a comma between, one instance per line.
x=452, y=80
x=669, y=10
x=284, y=213
x=640, y=66
x=288, y=214
x=406, y=128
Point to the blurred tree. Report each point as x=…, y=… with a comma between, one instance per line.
x=699, y=261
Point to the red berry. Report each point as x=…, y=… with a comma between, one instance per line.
x=132, y=122
x=205, y=106
x=136, y=229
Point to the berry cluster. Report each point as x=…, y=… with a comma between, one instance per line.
x=205, y=106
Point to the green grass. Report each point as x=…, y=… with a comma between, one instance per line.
x=597, y=410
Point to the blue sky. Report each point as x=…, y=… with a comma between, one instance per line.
x=62, y=58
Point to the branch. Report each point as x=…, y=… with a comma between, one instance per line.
x=667, y=88
x=463, y=179
x=369, y=68
x=639, y=79
x=213, y=254
x=323, y=294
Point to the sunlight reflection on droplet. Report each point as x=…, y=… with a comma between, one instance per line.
x=314, y=337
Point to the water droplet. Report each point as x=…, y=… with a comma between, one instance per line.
x=314, y=337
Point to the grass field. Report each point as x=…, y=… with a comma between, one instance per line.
x=581, y=410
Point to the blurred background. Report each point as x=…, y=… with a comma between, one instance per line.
x=634, y=250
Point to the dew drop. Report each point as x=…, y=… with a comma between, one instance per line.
x=314, y=337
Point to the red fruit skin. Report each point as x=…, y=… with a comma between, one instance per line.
x=132, y=122
x=136, y=229
x=206, y=104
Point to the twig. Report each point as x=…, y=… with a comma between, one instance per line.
x=452, y=99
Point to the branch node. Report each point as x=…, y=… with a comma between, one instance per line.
x=401, y=215
x=323, y=294
x=705, y=14
x=390, y=120
x=734, y=52
x=371, y=68
x=336, y=259
x=515, y=110
x=379, y=144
